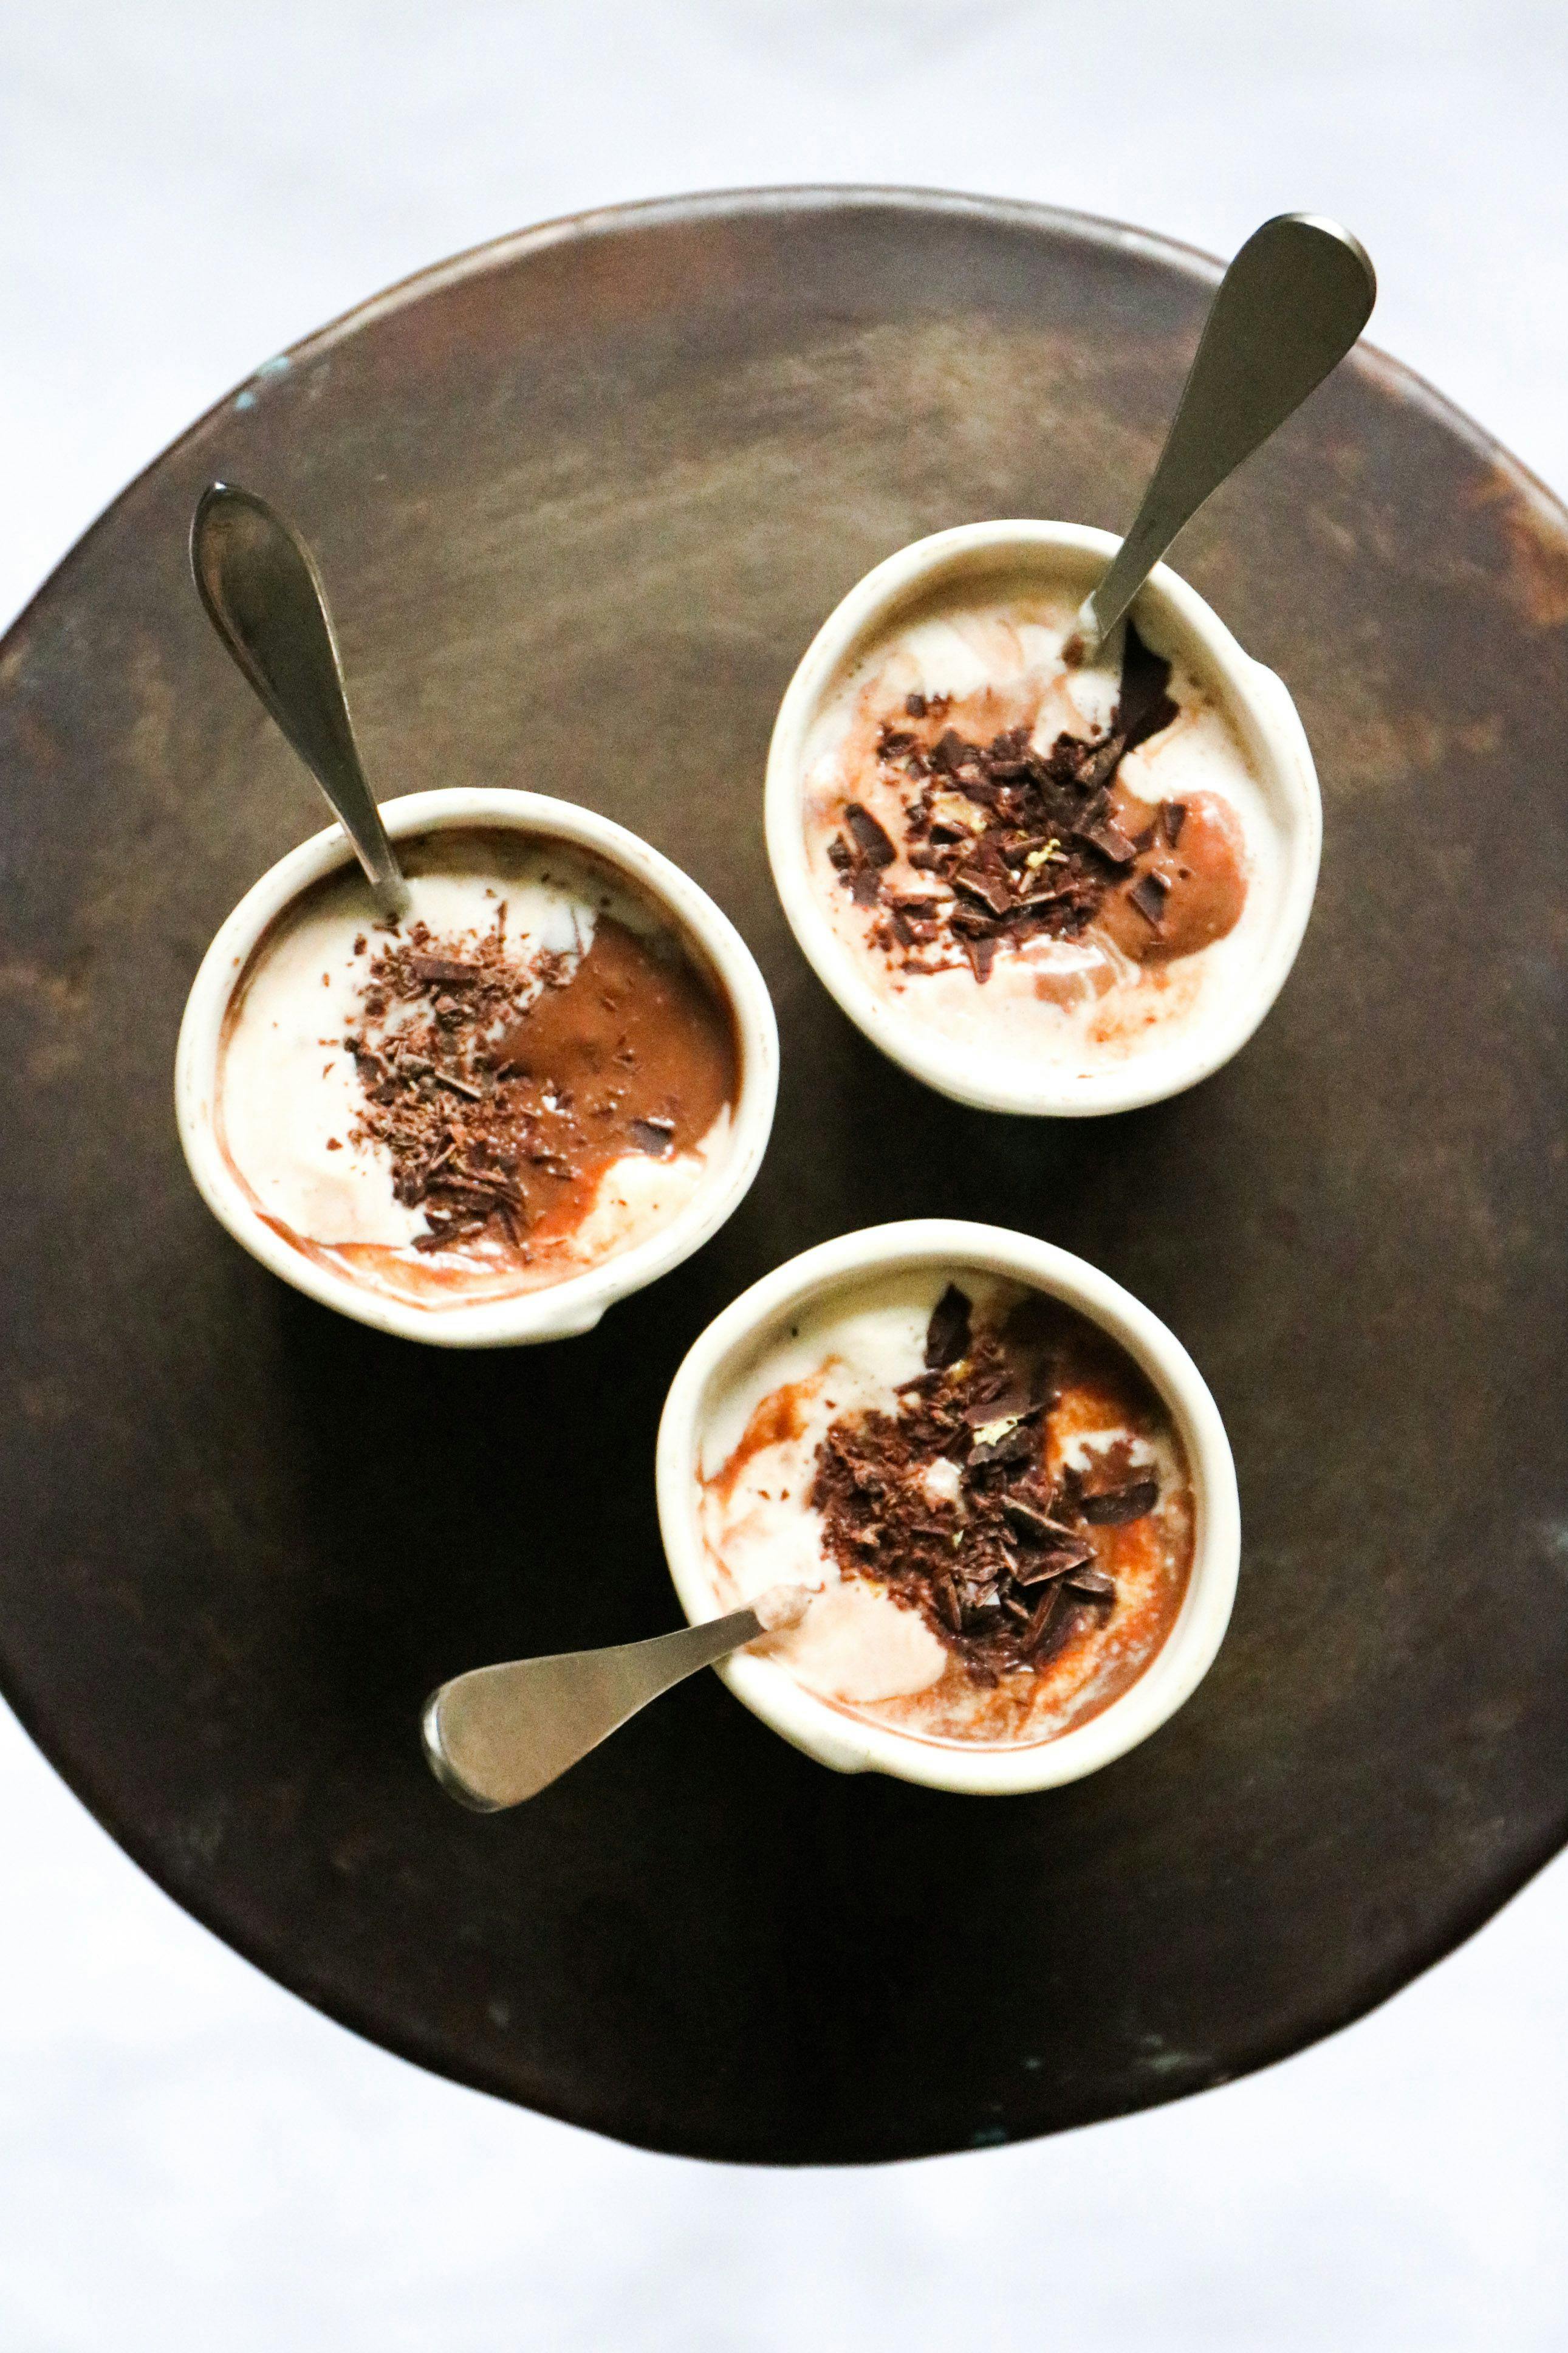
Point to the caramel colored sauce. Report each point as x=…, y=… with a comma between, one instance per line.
x=1207, y=872
x=635, y=1036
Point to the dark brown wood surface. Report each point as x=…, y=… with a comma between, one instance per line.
x=581, y=500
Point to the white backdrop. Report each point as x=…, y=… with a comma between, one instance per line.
x=189, y=2157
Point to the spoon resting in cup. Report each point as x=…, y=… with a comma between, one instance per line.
x=263, y=595
x=499, y=1735
x=1286, y=310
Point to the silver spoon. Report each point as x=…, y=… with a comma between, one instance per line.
x=264, y=596
x=1286, y=310
x=499, y=1735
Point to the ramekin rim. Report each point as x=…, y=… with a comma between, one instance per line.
x=558, y=1311
x=847, y=1743
x=951, y=1068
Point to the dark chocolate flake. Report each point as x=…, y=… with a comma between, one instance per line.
x=1044, y=1569
x=1045, y=1610
x=948, y=1333
x=1145, y=708
x=993, y=890
x=1108, y=838
x=1149, y=895
x=872, y=839
x=446, y=971
x=655, y=1136
x=1115, y=1509
x=1009, y=1401
x=1016, y=1443
x=982, y=954
x=1028, y=1518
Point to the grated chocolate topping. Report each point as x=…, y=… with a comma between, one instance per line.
x=502, y=1081
x=1016, y=842
x=1003, y=1562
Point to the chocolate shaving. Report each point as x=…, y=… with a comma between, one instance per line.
x=947, y=1333
x=1039, y=1569
x=1108, y=838
x=1149, y=895
x=982, y=954
x=1034, y=1524
x=993, y=891
x=1041, y=1619
x=1145, y=708
x=1018, y=1443
x=1008, y=1571
x=655, y=1136
x=1026, y=843
x=449, y=971
x=1172, y=816
x=1115, y=1508
x=465, y=1054
x=872, y=839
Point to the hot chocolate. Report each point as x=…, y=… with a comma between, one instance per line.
x=1035, y=860
x=992, y=1498
x=529, y=1075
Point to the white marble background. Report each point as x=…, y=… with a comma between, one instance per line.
x=188, y=2157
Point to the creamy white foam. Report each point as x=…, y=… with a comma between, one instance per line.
x=1080, y=1007
x=290, y=1094
x=855, y=1643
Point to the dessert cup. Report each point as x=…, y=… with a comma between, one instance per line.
x=851, y=1745
x=552, y=1311
x=1060, y=557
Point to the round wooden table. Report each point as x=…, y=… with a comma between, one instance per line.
x=581, y=499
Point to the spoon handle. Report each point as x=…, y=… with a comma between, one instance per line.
x=497, y=1734
x=264, y=596
x=1287, y=309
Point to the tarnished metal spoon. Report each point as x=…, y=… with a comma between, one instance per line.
x=264, y=596
x=1286, y=310
x=499, y=1735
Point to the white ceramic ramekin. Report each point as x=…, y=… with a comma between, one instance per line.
x=843, y=1741
x=1072, y=556
x=564, y=1308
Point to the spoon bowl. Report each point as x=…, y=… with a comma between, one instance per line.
x=497, y=1735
